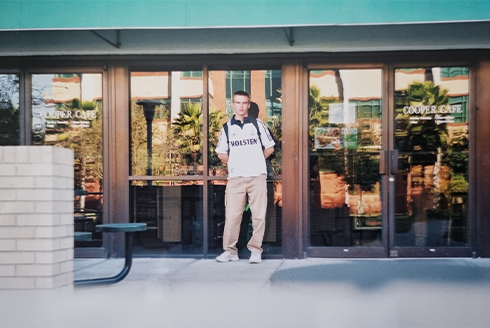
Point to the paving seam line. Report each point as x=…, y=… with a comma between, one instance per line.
x=277, y=269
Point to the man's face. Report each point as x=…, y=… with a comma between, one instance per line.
x=241, y=104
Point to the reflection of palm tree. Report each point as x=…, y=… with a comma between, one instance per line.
x=426, y=134
x=315, y=105
x=318, y=110
x=188, y=130
x=188, y=127
x=426, y=93
x=216, y=121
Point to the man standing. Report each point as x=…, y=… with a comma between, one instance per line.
x=244, y=150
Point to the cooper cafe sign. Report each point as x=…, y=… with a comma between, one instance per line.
x=76, y=119
x=441, y=114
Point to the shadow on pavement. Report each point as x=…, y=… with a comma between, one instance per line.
x=376, y=274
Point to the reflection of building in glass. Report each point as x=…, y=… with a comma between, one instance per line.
x=175, y=89
x=187, y=87
x=63, y=100
x=359, y=87
x=177, y=124
x=273, y=92
x=64, y=88
x=263, y=87
x=171, y=88
x=454, y=79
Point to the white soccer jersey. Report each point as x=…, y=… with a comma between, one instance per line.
x=246, y=157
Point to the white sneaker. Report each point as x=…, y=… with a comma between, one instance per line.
x=227, y=256
x=255, y=258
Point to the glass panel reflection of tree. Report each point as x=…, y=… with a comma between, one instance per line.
x=432, y=139
x=67, y=112
x=344, y=142
x=172, y=210
x=176, y=126
x=9, y=110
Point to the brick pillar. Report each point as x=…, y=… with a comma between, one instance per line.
x=36, y=217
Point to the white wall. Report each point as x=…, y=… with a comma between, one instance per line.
x=36, y=217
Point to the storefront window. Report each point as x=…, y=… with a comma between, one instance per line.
x=166, y=139
x=9, y=110
x=272, y=243
x=431, y=137
x=67, y=112
x=264, y=87
x=344, y=144
x=169, y=143
x=173, y=212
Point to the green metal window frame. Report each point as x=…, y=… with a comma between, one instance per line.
x=448, y=72
x=197, y=74
x=462, y=117
x=368, y=109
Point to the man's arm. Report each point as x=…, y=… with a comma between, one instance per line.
x=267, y=152
x=223, y=158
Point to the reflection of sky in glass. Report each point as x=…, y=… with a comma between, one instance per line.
x=9, y=90
x=356, y=84
x=262, y=85
x=91, y=87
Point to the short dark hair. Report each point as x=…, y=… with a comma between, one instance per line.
x=241, y=93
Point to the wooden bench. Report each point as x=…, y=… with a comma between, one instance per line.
x=128, y=229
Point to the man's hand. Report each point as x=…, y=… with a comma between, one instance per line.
x=223, y=158
x=268, y=152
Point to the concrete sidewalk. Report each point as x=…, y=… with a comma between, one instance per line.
x=275, y=293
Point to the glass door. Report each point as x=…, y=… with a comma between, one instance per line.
x=346, y=212
x=67, y=111
x=430, y=178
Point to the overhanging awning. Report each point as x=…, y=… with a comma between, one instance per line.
x=312, y=39
x=182, y=14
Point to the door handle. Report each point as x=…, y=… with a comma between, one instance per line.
x=382, y=162
x=393, y=162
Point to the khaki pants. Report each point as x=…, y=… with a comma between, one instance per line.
x=237, y=190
